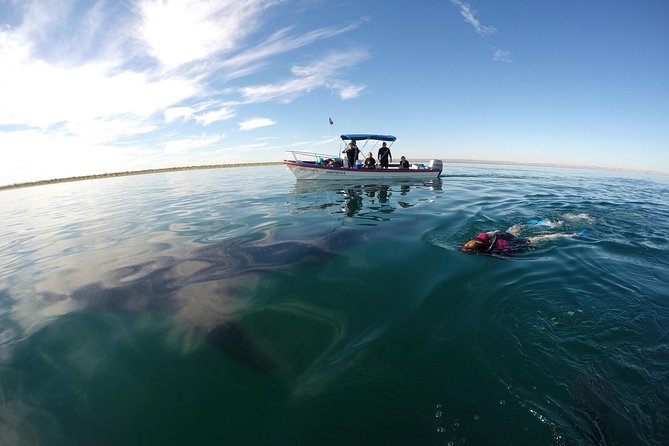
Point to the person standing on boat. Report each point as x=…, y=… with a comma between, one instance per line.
x=404, y=164
x=370, y=162
x=384, y=154
x=352, y=152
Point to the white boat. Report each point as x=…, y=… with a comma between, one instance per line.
x=318, y=166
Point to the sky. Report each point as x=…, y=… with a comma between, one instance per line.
x=90, y=87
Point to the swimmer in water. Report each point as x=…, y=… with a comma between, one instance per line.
x=497, y=242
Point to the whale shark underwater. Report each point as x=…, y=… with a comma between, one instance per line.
x=204, y=291
x=204, y=287
x=88, y=302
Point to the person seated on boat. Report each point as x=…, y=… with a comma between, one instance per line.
x=352, y=152
x=384, y=154
x=370, y=162
x=497, y=242
x=404, y=164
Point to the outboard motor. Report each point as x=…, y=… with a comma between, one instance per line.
x=437, y=165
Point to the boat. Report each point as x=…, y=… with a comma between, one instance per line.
x=319, y=166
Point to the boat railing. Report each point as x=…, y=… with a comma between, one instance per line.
x=314, y=155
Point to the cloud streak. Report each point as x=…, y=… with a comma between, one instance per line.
x=469, y=14
x=322, y=73
x=280, y=42
x=255, y=123
x=470, y=17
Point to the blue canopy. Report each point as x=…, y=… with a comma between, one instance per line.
x=366, y=136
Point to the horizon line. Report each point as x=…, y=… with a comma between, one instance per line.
x=269, y=163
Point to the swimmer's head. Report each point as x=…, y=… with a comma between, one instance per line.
x=478, y=244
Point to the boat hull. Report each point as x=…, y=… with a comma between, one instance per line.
x=314, y=172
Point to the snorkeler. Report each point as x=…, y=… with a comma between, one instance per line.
x=497, y=242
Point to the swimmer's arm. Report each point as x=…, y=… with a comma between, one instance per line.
x=538, y=238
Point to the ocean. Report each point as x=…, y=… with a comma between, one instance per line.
x=240, y=306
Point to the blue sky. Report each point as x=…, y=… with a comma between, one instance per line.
x=91, y=87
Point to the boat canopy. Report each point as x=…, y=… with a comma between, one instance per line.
x=366, y=136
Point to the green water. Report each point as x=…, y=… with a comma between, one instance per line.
x=239, y=306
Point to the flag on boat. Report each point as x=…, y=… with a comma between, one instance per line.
x=330, y=120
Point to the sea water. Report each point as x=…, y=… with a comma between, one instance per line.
x=240, y=306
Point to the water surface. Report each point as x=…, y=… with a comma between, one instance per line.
x=240, y=306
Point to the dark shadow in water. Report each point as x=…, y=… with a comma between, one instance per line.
x=234, y=341
x=208, y=289
x=138, y=295
x=228, y=263
x=593, y=400
x=204, y=288
x=249, y=254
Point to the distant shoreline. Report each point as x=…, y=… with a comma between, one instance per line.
x=128, y=173
x=273, y=163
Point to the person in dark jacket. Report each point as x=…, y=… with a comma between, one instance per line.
x=384, y=155
x=352, y=152
x=370, y=162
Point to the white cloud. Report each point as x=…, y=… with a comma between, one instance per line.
x=255, y=123
x=280, y=42
x=179, y=32
x=80, y=82
x=39, y=94
x=216, y=115
x=501, y=55
x=322, y=73
x=178, y=113
x=204, y=113
x=105, y=130
x=470, y=17
x=350, y=91
x=285, y=91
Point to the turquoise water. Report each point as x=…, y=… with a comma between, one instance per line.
x=239, y=306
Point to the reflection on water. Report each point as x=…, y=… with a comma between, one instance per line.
x=363, y=201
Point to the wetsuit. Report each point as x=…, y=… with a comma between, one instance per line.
x=504, y=242
x=384, y=153
x=352, y=154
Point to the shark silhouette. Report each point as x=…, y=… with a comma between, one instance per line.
x=204, y=284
